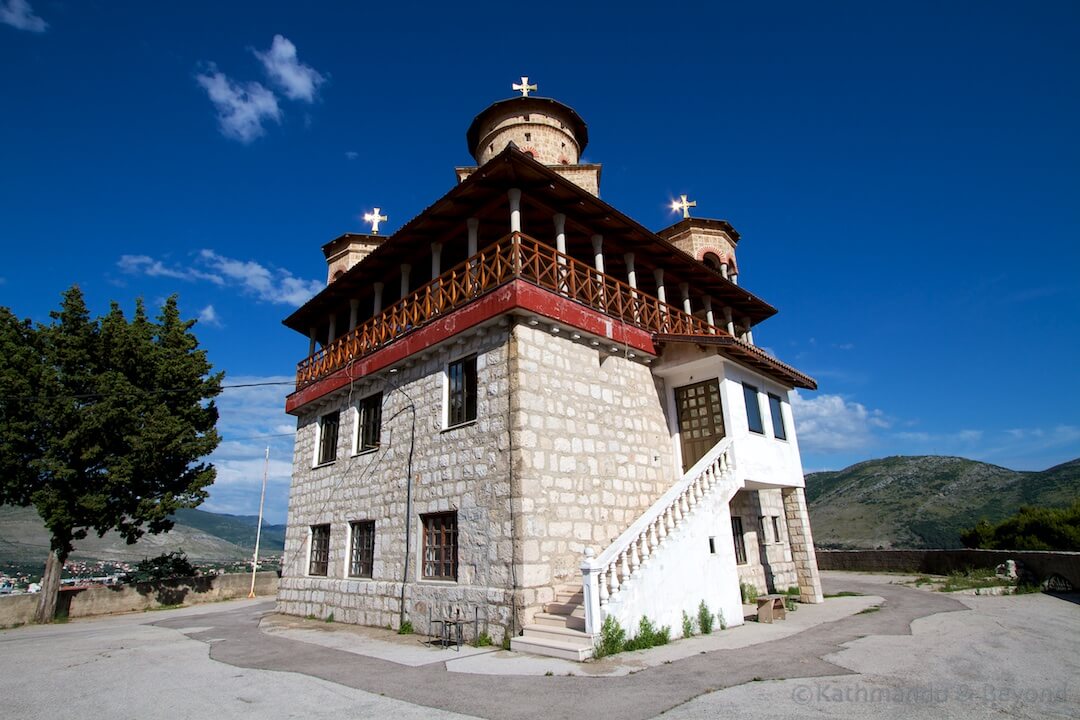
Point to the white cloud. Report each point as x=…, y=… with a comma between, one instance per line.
x=242, y=109
x=351, y=154
x=208, y=316
x=18, y=14
x=274, y=285
x=297, y=80
x=252, y=419
x=829, y=423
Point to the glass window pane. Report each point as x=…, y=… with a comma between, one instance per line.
x=753, y=409
x=777, y=414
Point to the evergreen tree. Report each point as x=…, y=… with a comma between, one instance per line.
x=103, y=424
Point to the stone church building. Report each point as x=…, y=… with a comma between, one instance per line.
x=526, y=407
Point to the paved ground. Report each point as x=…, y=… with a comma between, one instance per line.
x=922, y=655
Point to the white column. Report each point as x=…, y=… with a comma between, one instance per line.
x=707, y=301
x=436, y=259
x=728, y=322
x=333, y=330
x=560, y=234
x=311, y=342
x=684, y=288
x=378, y=288
x=598, y=252
x=354, y=311
x=631, y=273
x=474, y=226
x=724, y=269
x=734, y=278
x=661, y=293
x=515, y=209
x=749, y=332
x=405, y=270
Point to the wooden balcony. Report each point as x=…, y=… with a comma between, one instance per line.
x=515, y=257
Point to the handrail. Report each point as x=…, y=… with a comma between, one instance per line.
x=604, y=575
x=514, y=256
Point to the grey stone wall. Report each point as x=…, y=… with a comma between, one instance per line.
x=769, y=564
x=464, y=469
x=1042, y=564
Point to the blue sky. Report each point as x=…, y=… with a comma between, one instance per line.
x=906, y=180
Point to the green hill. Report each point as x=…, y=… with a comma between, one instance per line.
x=925, y=501
x=202, y=536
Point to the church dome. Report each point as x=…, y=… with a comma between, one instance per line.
x=551, y=132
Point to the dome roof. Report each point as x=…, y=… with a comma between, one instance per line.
x=524, y=106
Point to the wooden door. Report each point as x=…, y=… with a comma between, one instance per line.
x=701, y=419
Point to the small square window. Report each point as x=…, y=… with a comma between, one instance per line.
x=461, y=401
x=369, y=423
x=320, y=550
x=753, y=409
x=528, y=137
x=363, y=548
x=328, y=436
x=740, y=543
x=776, y=410
x=440, y=546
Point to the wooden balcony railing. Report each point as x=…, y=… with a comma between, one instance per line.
x=516, y=256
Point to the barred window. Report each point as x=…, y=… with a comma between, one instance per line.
x=369, y=423
x=440, y=546
x=461, y=376
x=740, y=543
x=328, y=436
x=320, y=550
x=363, y=548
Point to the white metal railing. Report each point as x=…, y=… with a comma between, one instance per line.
x=605, y=574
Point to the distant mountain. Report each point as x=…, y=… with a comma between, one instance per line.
x=925, y=501
x=202, y=536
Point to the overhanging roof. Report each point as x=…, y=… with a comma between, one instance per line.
x=746, y=354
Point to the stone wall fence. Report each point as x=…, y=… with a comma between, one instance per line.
x=1042, y=564
x=77, y=602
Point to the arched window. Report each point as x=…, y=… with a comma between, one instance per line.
x=711, y=261
x=338, y=274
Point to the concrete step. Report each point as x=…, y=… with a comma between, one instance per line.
x=558, y=608
x=570, y=597
x=573, y=622
x=560, y=634
x=551, y=648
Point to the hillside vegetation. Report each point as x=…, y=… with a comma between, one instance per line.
x=202, y=536
x=926, y=501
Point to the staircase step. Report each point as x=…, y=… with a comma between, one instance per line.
x=561, y=634
x=573, y=622
x=566, y=596
x=558, y=608
x=552, y=648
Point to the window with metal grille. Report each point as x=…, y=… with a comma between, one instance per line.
x=753, y=409
x=320, y=549
x=440, y=546
x=363, y=548
x=369, y=423
x=777, y=413
x=328, y=436
x=461, y=376
x=740, y=543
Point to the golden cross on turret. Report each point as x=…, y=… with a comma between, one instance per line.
x=375, y=218
x=524, y=88
x=683, y=204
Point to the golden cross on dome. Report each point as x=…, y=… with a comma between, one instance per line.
x=683, y=204
x=524, y=88
x=375, y=218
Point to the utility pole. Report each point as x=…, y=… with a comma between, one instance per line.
x=258, y=529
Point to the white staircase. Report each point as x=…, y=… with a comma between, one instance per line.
x=559, y=631
x=621, y=580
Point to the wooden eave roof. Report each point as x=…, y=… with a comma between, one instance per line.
x=483, y=193
x=748, y=355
